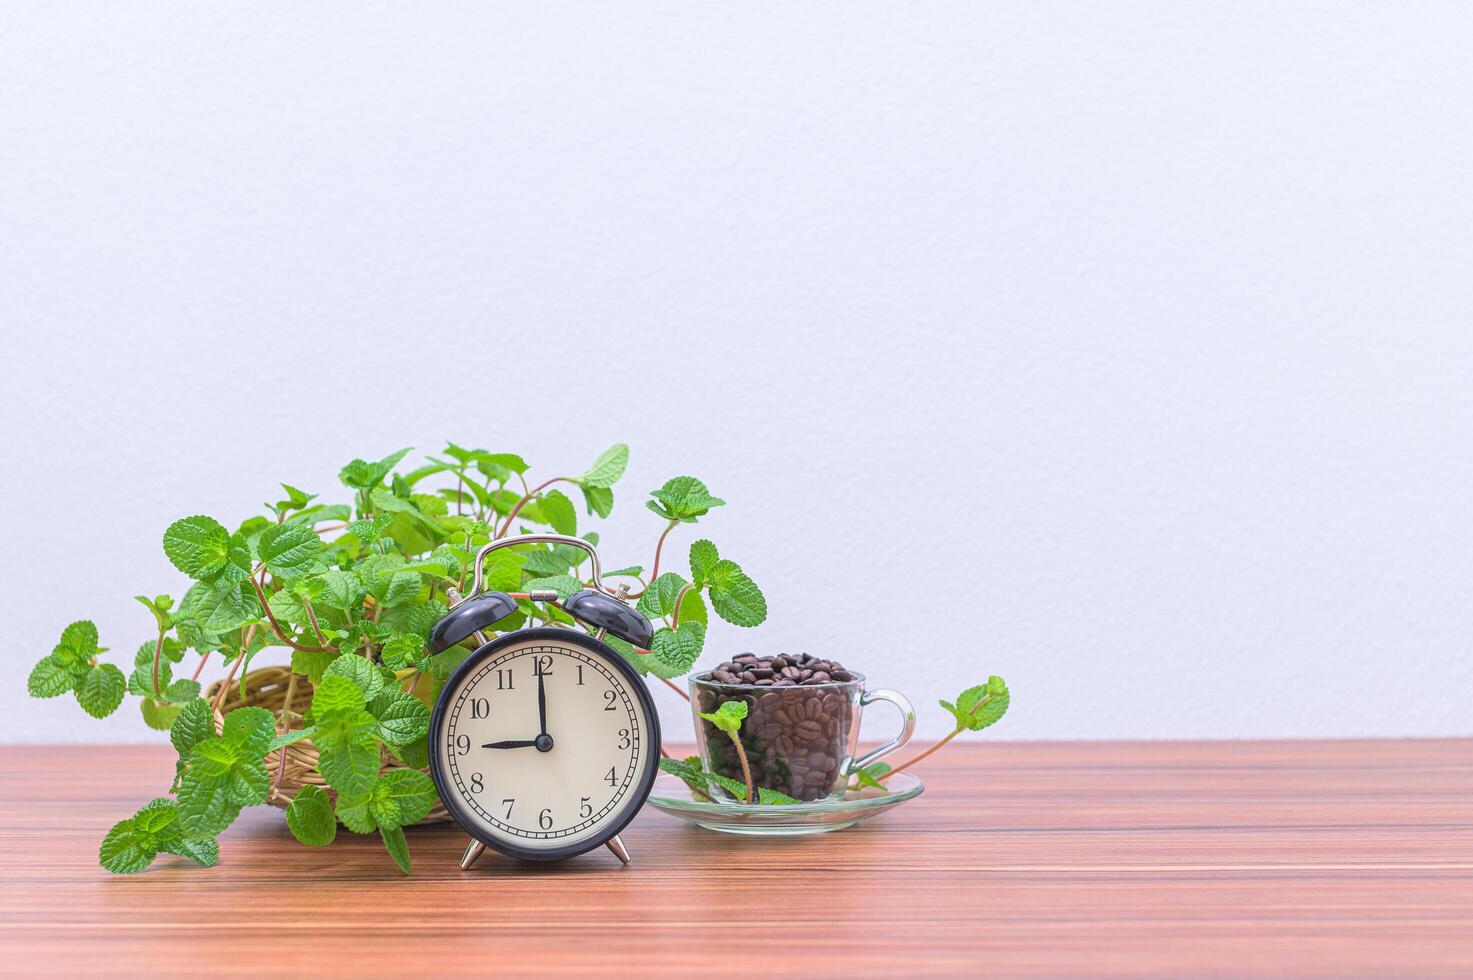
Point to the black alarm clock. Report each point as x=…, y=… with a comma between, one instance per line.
x=544, y=742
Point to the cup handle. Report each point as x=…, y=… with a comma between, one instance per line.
x=907, y=714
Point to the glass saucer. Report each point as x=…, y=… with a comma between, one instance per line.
x=674, y=797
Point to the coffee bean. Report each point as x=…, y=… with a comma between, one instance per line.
x=762, y=672
x=808, y=730
x=820, y=677
x=748, y=677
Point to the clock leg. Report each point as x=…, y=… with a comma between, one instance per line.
x=471, y=853
x=616, y=844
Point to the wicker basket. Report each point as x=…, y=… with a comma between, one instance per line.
x=266, y=688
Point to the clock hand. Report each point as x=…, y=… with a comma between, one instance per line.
x=511, y=744
x=541, y=705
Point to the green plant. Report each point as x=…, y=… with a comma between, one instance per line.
x=352, y=590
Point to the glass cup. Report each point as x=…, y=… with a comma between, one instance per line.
x=799, y=740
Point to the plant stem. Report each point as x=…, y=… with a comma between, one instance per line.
x=680, y=598
x=670, y=684
x=528, y=499
x=245, y=640
x=275, y=626
x=910, y=762
x=286, y=711
x=312, y=618
x=158, y=649
x=659, y=546
x=742, y=755
x=199, y=668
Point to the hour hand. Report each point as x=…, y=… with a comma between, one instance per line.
x=516, y=743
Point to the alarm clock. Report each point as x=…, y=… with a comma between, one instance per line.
x=544, y=742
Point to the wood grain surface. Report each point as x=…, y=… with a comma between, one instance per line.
x=1021, y=859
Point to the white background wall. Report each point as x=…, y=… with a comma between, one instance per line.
x=1120, y=349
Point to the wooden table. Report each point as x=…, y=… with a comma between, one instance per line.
x=1303, y=858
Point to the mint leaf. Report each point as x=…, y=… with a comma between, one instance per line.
x=291, y=738
x=870, y=774
x=510, y=461
x=159, y=606
x=131, y=844
x=734, y=595
x=204, y=852
x=158, y=715
x=126, y=850
x=360, y=475
x=312, y=664
x=369, y=529
x=683, y=498
x=728, y=717
x=348, y=754
x=101, y=691
x=219, y=607
x=979, y=707
x=401, y=797
x=404, y=651
x=295, y=499
x=599, y=500
x=54, y=675
x=196, y=722
x=197, y=546
x=559, y=511
x=402, y=718
x=609, y=466
x=659, y=599
x=674, y=652
x=398, y=847
x=341, y=590
x=354, y=814
x=703, y=559
x=771, y=797
x=208, y=789
x=360, y=672
x=249, y=731
x=80, y=638
x=310, y=818
x=69, y=663
x=289, y=550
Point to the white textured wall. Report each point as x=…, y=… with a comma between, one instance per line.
x=1120, y=349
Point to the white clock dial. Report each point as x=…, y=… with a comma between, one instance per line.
x=534, y=788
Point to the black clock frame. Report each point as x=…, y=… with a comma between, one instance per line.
x=445, y=787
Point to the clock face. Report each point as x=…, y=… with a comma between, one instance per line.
x=544, y=743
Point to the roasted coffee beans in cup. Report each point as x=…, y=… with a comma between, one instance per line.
x=802, y=721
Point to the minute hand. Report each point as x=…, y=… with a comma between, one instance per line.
x=541, y=705
x=511, y=744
